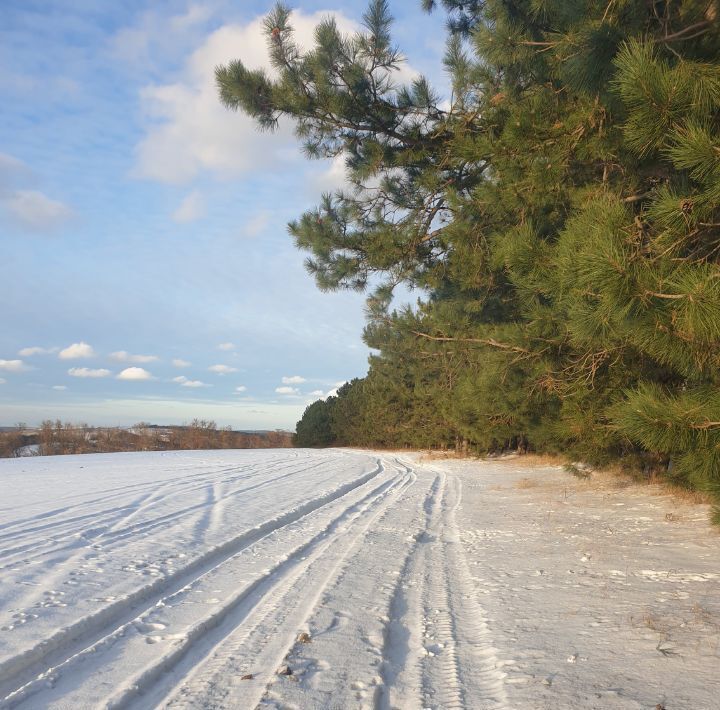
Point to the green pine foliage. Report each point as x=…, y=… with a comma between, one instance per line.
x=315, y=427
x=560, y=218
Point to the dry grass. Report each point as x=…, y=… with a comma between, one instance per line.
x=674, y=517
x=543, y=459
x=675, y=627
x=441, y=455
x=653, y=622
x=703, y=616
x=657, y=485
x=513, y=458
x=610, y=478
x=615, y=478
x=529, y=460
x=684, y=495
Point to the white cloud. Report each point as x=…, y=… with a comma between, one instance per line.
x=194, y=383
x=294, y=380
x=13, y=366
x=155, y=35
x=177, y=362
x=35, y=350
x=29, y=209
x=190, y=209
x=222, y=369
x=88, y=372
x=180, y=143
x=2, y=381
x=226, y=346
x=185, y=382
x=332, y=178
x=196, y=14
x=134, y=373
x=59, y=388
x=334, y=390
x=124, y=356
x=75, y=351
x=256, y=225
x=12, y=171
x=330, y=393
x=34, y=211
x=288, y=391
x=241, y=388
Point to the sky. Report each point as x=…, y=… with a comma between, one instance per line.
x=145, y=265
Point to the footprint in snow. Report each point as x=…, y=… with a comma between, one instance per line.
x=434, y=649
x=145, y=627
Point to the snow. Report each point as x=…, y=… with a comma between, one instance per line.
x=194, y=579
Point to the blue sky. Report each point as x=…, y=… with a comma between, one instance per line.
x=146, y=269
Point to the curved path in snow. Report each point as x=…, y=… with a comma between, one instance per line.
x=335, y=579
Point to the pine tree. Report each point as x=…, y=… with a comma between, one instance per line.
x=315, y=427
x=562, y=216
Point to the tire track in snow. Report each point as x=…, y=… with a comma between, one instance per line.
x=204, y=508
x=105, y=533
x=400, y=669
x=437, y=651
x=103, y=541
x=280, y=609
x=180, y=486
x=109, y=527
x=184, y=483
x=342, y=666
x=482, y=677
x=28, y=672
x=107, y=494
x=63, y=535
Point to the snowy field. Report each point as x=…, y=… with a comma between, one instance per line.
x=339, y=579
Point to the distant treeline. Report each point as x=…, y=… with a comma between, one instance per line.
x=57, y=437
x=372, y=413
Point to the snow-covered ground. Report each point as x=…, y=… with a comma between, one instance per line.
x=190, y=579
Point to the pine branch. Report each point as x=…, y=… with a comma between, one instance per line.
x=480, y=341
x=699, y=28
x=528, y=43
x=667, y=296
x=637, y=198
x=705, y=426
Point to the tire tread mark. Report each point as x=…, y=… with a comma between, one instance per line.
x=17, y=672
